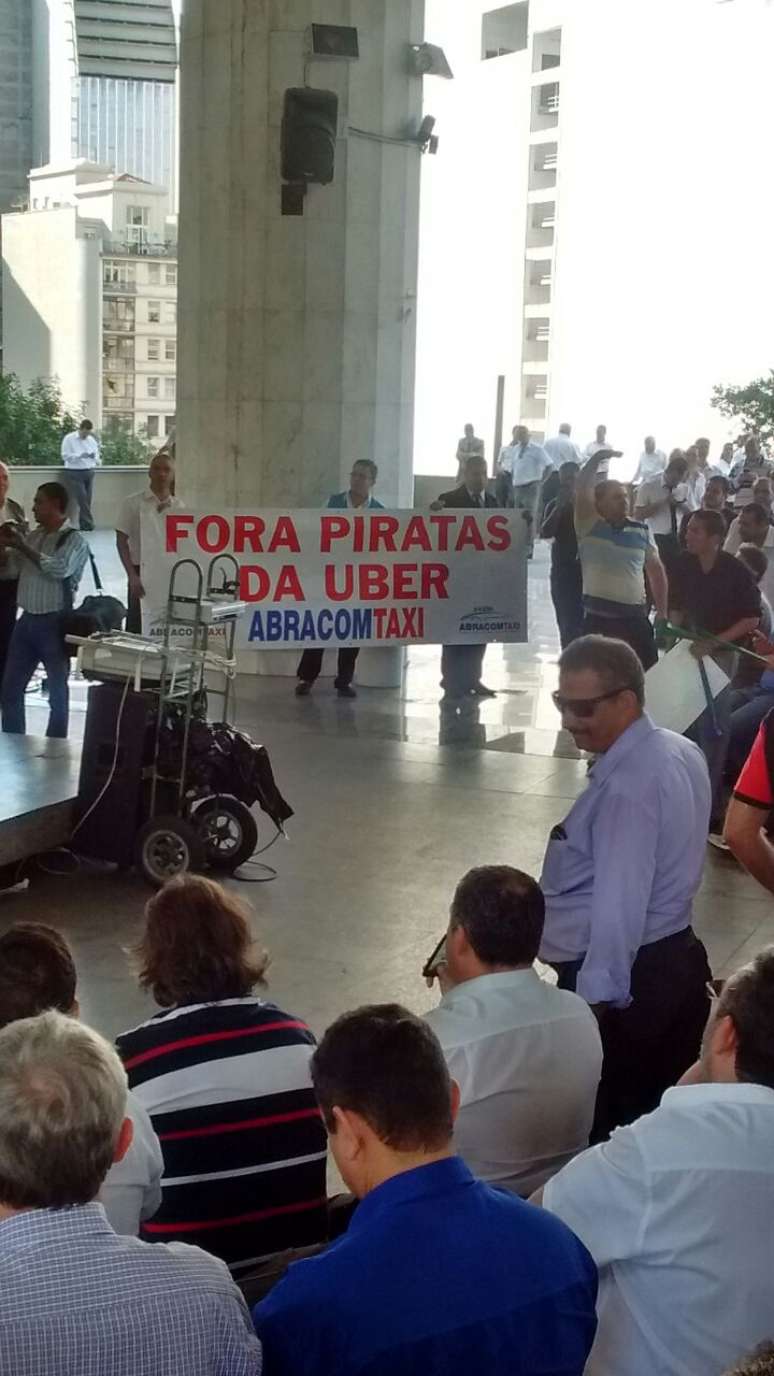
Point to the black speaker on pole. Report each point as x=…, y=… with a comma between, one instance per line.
x=309, y=128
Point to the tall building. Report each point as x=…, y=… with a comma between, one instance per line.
x=15, y=100
x=596, y=225
x=90, y=291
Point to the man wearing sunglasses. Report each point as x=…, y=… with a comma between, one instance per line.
x=619, y=878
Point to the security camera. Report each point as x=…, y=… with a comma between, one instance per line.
x=426, y=59
x=427, y=140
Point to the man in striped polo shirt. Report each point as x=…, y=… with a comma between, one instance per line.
x=616, y=553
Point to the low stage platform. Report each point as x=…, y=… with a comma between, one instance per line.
x=38, y=789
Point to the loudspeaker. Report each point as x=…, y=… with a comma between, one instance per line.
x=309, y=127
x=108, y=832
x=334, y=40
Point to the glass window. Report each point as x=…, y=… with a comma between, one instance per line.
x=153, y=386
x=171, y=275
x=170, y=312
x=154, y=274
x=169, y=388
x=152, y=425
x=154, y=312
x=137, y=215
x=170, y=350
x=154, y=348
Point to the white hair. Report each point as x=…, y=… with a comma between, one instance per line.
x=62, y=1103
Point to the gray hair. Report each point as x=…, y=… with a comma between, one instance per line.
x=614, y=662
x=62, y=1103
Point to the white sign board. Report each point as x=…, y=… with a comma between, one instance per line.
x=674, y=693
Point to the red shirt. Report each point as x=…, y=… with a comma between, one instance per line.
x=754, y=785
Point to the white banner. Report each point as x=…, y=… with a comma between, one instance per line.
x=327, y=578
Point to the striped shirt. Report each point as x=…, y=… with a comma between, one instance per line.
x=42, y=590
x=228, y=1089
x=613, y=563
x=77, y=1300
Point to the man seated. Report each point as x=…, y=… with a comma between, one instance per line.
x=74, y=1296
x=676, y=1209
x=37, y=971
x=527, y=1056
x=438, y=1274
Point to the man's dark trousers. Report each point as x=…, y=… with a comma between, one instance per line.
x=650, y=1044
x=311, y=664
x=80, y=484
x=635, y=630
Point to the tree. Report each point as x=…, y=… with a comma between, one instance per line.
x=120, y=445
x=753, y=405
x=32, y=422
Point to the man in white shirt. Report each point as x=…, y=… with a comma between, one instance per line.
x=521, y=468
x=526, y=1055
x=676, y=1209
x=652, y=463
x=11, y=513
x=154, y=500
x=37, y=972
x=753, y=527
x=469, y=446
x=80, y=456
x=661, y=503
x=561, y=449
x=596, y=446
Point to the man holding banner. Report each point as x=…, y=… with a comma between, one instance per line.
x=358, y=498
x=462, y=665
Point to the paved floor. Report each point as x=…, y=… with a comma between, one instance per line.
x=394, y=800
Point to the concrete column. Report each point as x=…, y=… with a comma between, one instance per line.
x=297, y=334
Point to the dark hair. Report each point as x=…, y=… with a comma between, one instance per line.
x=718, y=478
x=37, y=972
x=679, y=464
x=759, y=1363
x=712, y=521
x=56, y=493
x=614, y=662
x=197, y=946
x=501, y=911
x=373, y=471
x=759, y=512
x=474, y=458
x=748, y=1000
x=755, y=560
x=387, y=1065
x=569, y=467
x=86, y=425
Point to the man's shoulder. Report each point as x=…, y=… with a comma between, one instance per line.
x=456, y=496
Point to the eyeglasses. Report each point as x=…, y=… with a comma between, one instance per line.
x=584, y=707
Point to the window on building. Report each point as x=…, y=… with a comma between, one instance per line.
x=154, y=349
x=137, y=222
x=154, y=312
x=170, y=275
x=118, y=313
x=152, y=426
x=118, y=273
x=170, y=350
x=169, y=388
x=154, y=384
x=154, y=274
x=118, y=354
x=169, y=424
x=505, y=30
x=170, y=312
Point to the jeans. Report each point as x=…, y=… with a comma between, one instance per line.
x=36, y=640
x=748, y=708
x=80, y=483
x=461, y=668
x=567, y=597
x=711, y=732
x=526, y=497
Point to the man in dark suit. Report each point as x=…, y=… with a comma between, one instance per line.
x=461, y=665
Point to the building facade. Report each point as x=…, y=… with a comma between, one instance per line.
x=90, y=290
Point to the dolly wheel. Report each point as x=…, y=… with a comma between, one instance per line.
x=228, y=832
x=167, y=846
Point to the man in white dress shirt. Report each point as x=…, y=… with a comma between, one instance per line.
x=155, y=499
x=652, y=463
x=80, y=456
x=676, y=1210
x=596, y=446
x=561, y=449
x=521, y=468
x=526, y=1055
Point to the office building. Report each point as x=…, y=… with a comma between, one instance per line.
x=90, y=291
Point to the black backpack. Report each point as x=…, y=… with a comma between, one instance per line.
x=96, y=614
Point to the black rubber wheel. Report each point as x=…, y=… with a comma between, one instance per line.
x=228, y=831
x=167, y=846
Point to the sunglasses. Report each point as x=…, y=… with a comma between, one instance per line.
x=584, y=707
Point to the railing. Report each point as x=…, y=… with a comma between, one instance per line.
x=119, y=288
x=117, y=365
x=122, y=248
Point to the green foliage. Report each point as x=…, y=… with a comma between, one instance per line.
x=753, y=405
x=120, y=445
x=32, y=422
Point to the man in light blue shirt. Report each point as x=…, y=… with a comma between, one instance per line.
x=521, y=468
x=50, y=562
x=619, y=878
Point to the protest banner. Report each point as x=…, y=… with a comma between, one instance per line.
x=332, y=578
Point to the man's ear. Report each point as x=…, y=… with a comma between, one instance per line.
x=348, y=1131
x=457, y=941
x=724, y=1037
x=125, y=1139
x=455, y=1100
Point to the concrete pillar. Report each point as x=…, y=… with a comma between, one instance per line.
x=297, y=335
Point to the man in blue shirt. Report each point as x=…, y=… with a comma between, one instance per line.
x=619, y=878
x=358, y=498
x=438, y=1273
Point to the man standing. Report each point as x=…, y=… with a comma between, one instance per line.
x=80, y=456
x=566, y=577
x=469, y=446
x=437, y=1272
x=661, y=503
x=676, y=1210
x=651, y=465
x=616, y=553
x=526, y=1056
x=154, y=500
x=753, y=527
x=462, y=665
x=50, y=562
x=358, y=497
x=597, y=446
x=74, y=1296
x=715, y=499
x=561, y=449
x=521, y=468
x=10, y=514
x=619, y=879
